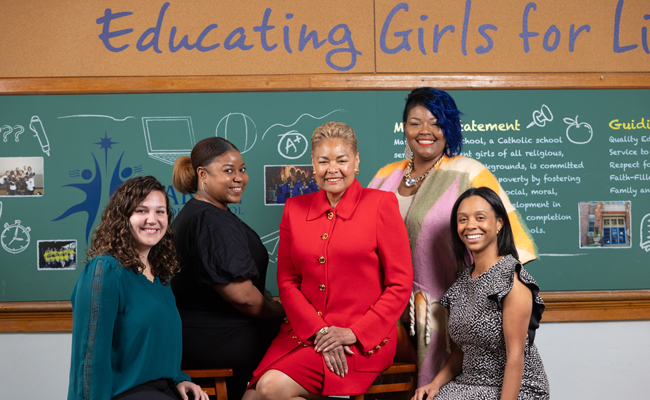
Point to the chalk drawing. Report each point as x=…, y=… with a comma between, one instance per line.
x=292, y=145
x=271, y=242
x=168, y=138
x=232, y=130
x=296, y=121
x=15, y=237
x=578, y=125
x=19, y=131
x=97, y=116
x=36, y=126
x=540, y=117
x=8, y=130
x=645, y=233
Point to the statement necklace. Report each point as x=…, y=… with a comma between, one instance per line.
x=410, y=181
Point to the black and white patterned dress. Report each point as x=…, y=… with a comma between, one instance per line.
x=476, y=326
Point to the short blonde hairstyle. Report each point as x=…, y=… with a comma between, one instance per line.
x=334, y=130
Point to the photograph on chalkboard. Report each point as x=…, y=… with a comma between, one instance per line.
x=605, y=224
x=57, y=254
x=283, y=182
x=21, y=176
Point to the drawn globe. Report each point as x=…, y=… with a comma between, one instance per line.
x=239, y=129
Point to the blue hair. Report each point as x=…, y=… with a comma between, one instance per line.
x=443, y=107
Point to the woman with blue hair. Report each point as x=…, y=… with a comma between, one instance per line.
x=427, y=183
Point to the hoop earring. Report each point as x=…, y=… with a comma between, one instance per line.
x=356, y=170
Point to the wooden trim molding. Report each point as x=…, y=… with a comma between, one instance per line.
x=56, y=316
x=321, y=82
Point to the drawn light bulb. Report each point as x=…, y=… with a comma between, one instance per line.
x=645, y=233
x=578, y=126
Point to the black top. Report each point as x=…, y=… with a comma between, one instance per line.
x=214, y=247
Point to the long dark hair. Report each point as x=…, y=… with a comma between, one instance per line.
x=505, y=239
x=113, y=235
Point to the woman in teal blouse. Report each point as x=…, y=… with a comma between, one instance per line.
x=126, y=334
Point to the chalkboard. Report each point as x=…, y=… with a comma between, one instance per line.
x=575, y=164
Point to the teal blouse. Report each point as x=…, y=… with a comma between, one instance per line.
x=126, y=331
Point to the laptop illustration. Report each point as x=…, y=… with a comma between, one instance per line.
x=168, y=138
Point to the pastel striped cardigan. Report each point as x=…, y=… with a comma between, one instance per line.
x=427, y=223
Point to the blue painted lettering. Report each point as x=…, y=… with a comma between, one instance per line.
x=155, y=31
x=617, y=27
x=421, y=35
x=573, y=35
x=265, y=27
x=240, y=42
x=287, y=46
x=107, y=35
x=437, y=36
x=346, y=38
x=199, y=41
x=304, y=39
x=468, y=9
x=403, y=34
x=525, y=33
x=547, y=36
x=490, y=43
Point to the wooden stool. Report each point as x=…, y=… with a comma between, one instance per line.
x=401, y=377
x=218, y=387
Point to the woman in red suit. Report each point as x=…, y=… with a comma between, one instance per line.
x=345, y=276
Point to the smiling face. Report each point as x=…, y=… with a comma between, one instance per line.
x=334, y=162
x=423, y=134
x=478, y=225
x=224, y=180
x=149, y=222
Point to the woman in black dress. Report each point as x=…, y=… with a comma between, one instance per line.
x=228, y=320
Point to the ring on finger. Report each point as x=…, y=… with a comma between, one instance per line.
x=324, y=330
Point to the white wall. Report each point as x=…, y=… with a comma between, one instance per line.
x=589, y=360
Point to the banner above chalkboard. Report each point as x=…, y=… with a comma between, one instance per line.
x=202, y=37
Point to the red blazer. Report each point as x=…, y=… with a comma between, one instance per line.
x=348, y=267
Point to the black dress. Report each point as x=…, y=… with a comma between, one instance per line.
x=216, y=247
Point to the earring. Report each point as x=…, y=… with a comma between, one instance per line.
x=408, y=153
x=202, y=185
x=356, y=170
x=498, y=230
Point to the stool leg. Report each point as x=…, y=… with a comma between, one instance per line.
x=220, y=388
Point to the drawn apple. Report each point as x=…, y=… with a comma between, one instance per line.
x=581, y=127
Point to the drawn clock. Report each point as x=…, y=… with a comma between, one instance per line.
x=15, y=237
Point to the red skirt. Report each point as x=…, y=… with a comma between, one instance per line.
x=308, y=368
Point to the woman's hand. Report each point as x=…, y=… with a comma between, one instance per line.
x=335, y=360
x=431, y=390
x=186, y=387
x=335, y=337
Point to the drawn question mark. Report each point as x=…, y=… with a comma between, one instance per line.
x=19, y=130
x=4, y=135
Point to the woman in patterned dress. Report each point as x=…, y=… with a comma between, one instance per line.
x=494, y=310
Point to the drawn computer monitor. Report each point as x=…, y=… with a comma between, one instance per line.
x=168, y=138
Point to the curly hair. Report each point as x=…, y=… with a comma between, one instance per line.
x=113, y=235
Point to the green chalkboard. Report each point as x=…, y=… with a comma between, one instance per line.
x=575, y=163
